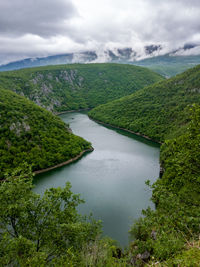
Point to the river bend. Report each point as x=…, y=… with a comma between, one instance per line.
x=111, y=179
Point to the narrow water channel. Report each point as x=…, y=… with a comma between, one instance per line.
x=111, y=179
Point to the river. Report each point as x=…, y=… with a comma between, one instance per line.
x=111, y=179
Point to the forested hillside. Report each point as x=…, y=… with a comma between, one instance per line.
x=159, y=111
x=33, y=135
x=169, y=235
x=77, y=86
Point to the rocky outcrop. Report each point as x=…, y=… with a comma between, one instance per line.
x=19, y=127
x=140, y=259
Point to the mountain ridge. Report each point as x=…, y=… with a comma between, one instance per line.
x=151, y=56
x=77, y=86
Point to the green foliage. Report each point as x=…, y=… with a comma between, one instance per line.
x=103, y=252
x=36, y=231
x=77, y=86
x=158, y=111
x=33, y=135
x=189, y=257
x=180, y=158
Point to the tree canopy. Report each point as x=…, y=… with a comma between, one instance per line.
x=40, y=230
x=34, y=135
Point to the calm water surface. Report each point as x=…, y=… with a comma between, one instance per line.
x=112, y=178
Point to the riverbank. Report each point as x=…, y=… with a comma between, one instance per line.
x=126, y=130
x=69, y=111
x=65, y=162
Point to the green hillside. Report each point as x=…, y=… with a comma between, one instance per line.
x=33, y=135
x=77, y=86
x=158, y=111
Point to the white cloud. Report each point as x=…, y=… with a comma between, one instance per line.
x=188, y=52
x=38, y=17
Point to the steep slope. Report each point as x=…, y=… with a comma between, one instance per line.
x=69, y=87
x=158, y=111
x=33, y=135
x=169, y=235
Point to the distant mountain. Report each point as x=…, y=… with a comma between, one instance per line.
x=152, y=48
x=120, y=55
x=169, y=65
x=84, y=57
x=151, y=56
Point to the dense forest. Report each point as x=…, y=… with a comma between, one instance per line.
x=48, y=231
x=78, y=86
x=159, y=111
x=33, y=135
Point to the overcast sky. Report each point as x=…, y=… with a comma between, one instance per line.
x=31, y=28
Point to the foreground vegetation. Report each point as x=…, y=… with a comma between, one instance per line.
x=33, y=135
x=77, y=86
x=42, y=231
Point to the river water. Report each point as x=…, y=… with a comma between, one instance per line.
x=111, y=179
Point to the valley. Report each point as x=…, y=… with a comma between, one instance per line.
x=128, y=97
x=34, y=134
x=99, y=133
